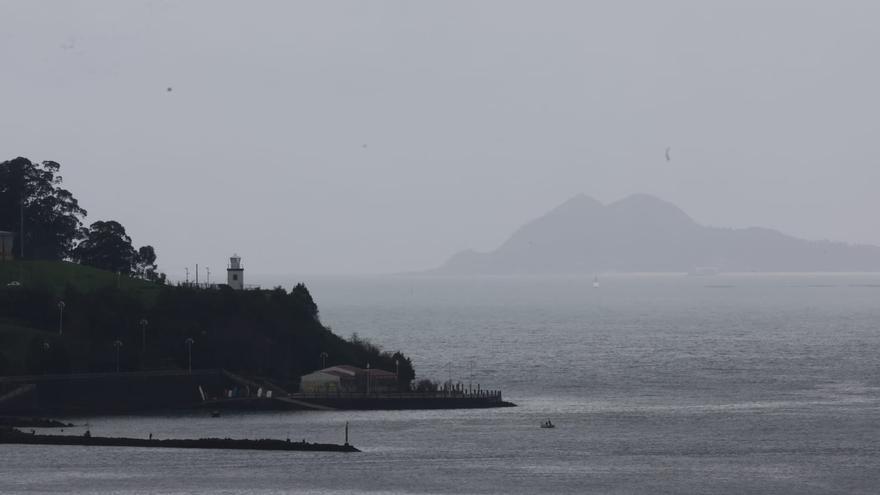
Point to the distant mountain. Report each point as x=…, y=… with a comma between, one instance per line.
x=642, y=233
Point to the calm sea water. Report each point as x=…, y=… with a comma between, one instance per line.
x=658, y=384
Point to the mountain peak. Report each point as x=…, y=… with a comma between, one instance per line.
x=642, y=200
x=643, y=233
x=649, y=206
x=582, y=200
x=577, y=203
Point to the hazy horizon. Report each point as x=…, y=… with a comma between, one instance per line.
x=383, y=137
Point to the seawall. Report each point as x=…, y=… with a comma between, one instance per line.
x=88, y=393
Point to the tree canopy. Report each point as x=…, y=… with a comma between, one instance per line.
x=108, y=247
x=52, y=216
x=302, y=300
x=145, y=264
x=53, y=228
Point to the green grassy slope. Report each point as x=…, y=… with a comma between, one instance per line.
x=56, y=275
x=16, y=341
x=17, y=338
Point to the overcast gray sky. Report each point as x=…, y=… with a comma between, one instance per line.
x=382, y=136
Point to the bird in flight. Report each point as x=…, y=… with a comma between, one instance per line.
x=168, y=89
x=668, y=158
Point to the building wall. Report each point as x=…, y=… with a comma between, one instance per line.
x=332, y=380
x=235, y=279
x=319, y=383
x=320, y=387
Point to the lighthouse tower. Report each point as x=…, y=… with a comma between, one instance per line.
x=235, y=273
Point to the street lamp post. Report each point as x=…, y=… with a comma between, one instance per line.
x=144, y=324
x=368, y=378
x=449, y=372
x=60, y=316
x=45, y=359
x=324, y=360
x=116, y=345
x=189, y=346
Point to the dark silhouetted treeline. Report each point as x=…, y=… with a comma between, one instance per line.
x=270, y=333
x=31, y=194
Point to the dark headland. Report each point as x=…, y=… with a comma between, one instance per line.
x=90, y=325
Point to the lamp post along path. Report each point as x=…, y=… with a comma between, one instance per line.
x=60, y=317
x=144, y=324
x=116, y=345
x=189, y=344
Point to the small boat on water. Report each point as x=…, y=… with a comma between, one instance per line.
x=596, y=282
x=704, y=271
x=547, y=424
x=215, y=414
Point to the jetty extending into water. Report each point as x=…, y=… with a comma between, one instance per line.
x=14, y=436
x=360, y=401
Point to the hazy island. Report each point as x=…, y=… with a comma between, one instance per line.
x=642, y=233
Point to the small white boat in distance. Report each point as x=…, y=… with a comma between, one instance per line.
x=704, y=271
x=596, y=282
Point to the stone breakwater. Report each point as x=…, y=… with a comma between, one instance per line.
x=14, y=436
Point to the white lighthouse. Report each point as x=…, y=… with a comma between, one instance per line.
x=235, y=273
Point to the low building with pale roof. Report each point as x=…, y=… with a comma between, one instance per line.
x=348, y=379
